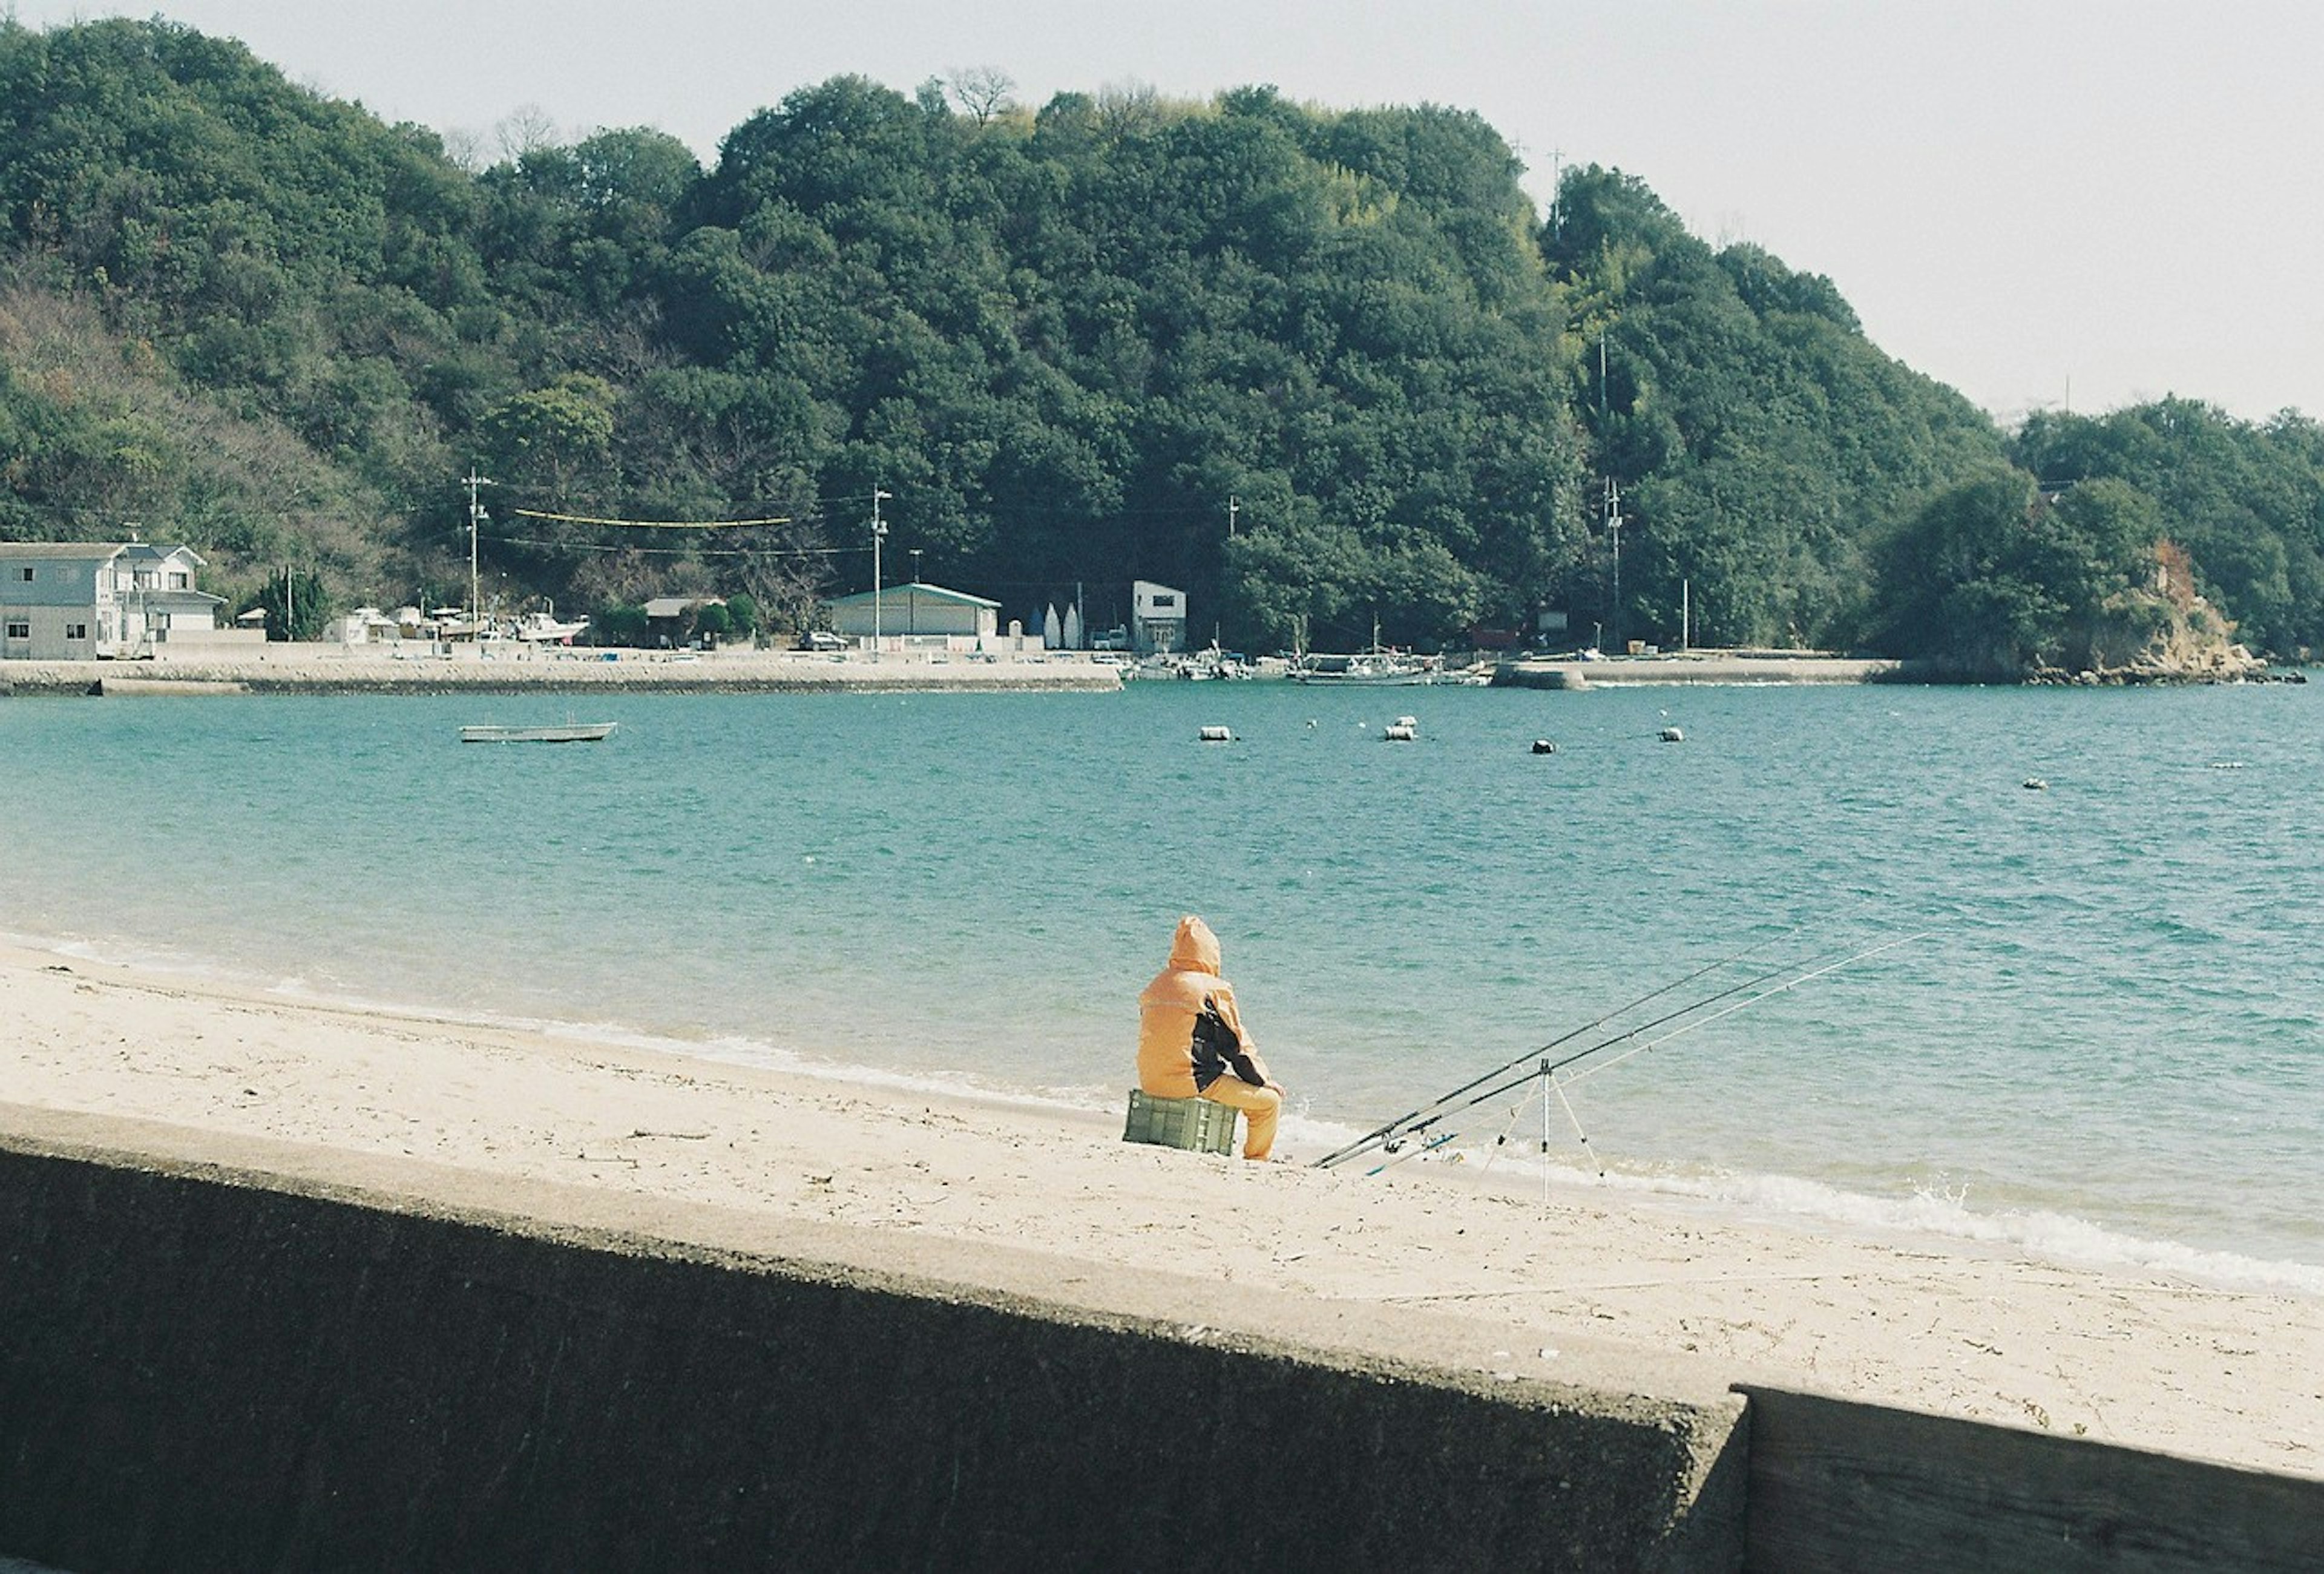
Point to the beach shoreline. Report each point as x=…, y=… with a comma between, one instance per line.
x=1975, y=1330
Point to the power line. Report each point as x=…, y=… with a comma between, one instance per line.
x=676, y=551
x=651, y=524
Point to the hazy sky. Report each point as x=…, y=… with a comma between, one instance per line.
x=2040, y=202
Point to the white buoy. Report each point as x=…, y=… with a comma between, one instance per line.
x=1672, y=735
x=1217, y=735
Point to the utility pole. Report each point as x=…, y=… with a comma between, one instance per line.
x=1614, y=529
x=1233, y=508
x=879, y=533
x=471, y=481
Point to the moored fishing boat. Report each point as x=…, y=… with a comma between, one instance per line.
x=1379, y=666
x=1377, y=669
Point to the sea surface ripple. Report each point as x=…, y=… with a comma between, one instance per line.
x=2108, y=1041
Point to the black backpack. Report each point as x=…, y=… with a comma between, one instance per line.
x=1218, y=1050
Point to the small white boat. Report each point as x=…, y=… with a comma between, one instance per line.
x=544, y=629
x=566, y=732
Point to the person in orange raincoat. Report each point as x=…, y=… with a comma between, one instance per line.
x=1191, y=1042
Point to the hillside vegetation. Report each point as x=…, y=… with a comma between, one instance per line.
x=1319, y=367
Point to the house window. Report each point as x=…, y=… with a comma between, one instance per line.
x=178, y=582
x=20, y=630
x=25, y=574
x=1162, y=603
x=75, y=631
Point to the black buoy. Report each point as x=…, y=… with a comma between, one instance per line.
x=1543, y=746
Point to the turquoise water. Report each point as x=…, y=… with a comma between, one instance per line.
x=2107, y=1044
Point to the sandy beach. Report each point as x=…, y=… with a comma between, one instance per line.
x=2144, y=1361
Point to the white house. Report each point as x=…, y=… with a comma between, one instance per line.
x=1157, y=616
x=65, y=600
x=915, y=609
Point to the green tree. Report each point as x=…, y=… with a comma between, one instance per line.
x=555, y=441
x=1992, y=577
x=298, y=604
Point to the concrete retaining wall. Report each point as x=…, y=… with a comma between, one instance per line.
x=1838, y=1487
x=201, y=1368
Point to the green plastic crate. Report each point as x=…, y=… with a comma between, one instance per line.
x=1197, y=1124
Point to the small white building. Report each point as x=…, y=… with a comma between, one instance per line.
x=364, y=626
x=913, y=610
x=1157, y=616
x=67, y=601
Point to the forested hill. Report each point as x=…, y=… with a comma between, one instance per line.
x=1317, y=366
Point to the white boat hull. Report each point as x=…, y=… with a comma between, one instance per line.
x=570, y=732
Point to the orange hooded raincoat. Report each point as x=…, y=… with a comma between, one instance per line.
x=1166, y=1012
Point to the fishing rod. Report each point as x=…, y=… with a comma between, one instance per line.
x=1549, y=1069
x=1549, y=1082
x=1740, y=1005
x=1546, y=1070
x=1428, y=1115
x=1362, y=1143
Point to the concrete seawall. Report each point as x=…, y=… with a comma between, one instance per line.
x=330, y=674
x=223, y=1353
x=1619, y=671
x=205, y=1365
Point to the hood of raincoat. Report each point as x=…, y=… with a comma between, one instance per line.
x=1195, y=948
